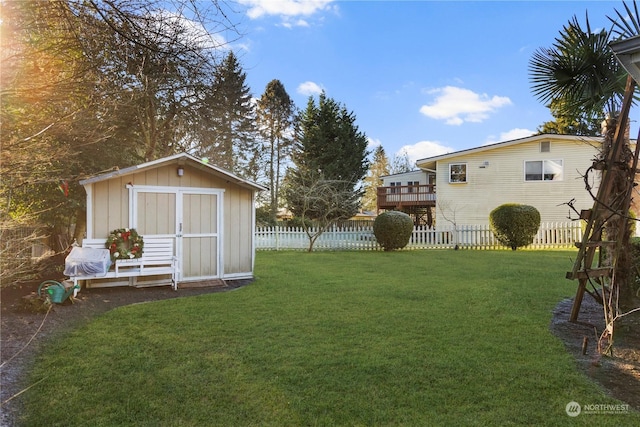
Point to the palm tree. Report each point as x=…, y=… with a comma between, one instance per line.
x=628, y=24
x=579, y=73
x=580, y=77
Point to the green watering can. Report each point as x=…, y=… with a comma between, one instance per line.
x=56, y=291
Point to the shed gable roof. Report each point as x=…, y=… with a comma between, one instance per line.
x=178, y=159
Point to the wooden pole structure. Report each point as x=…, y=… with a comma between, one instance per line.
x=596, y=217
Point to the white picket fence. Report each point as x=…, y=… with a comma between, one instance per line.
x=550, y=236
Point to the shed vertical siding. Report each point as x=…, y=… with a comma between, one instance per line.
x=238, y=231
x=110, y=202
x=110, y=207
x=502, y=181
x=157, y=213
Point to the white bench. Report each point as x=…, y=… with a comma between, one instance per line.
x=157, y=260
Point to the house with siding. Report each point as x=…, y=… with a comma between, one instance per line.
x=545, y=171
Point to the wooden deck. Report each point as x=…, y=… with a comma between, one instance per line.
x=399, y=197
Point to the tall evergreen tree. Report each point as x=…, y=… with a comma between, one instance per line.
x=330, y=161
x=275, y=111
x=379, y=167
x=564, y=124
x=330, y=143
x=230, y=140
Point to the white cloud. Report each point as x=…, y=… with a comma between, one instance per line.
x=510, y=135
x=424, y=149
x=373, y=143
x=299, y=23
x=285, y=8
x=309, y=88
x=457, y=105
x=192, y=32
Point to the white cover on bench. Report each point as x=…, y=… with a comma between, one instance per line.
x=87, y=262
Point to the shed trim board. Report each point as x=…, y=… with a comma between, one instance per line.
x=253, y=227
x=88, y=189
x=182, y=157
x=180, y=233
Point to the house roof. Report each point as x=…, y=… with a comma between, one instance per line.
x=178, y=159
x=402, y=174
x=430, y=162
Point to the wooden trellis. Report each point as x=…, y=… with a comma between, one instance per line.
x=592, y=244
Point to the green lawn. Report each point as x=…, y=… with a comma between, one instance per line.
x=418, y=338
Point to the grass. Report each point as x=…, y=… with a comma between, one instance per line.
x=336, y=338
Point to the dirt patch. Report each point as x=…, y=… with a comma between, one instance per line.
x=17, y=327
x=618, y=375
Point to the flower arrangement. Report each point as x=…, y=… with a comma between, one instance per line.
x=124, y=243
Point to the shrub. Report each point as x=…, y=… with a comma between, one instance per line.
x=264, y=218
x=514, y=225
x=393, y=230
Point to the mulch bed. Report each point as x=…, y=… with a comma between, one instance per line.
x=619, y=374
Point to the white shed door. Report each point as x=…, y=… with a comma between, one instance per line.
x=199, y=240
x=190, y=216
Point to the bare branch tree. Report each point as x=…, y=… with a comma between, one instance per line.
x=448, y=213
x=321, y=203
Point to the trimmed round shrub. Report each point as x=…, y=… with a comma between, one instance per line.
x=393, y=230
x=514, y=225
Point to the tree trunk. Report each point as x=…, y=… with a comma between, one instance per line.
x=81, y=225
x=616, y=227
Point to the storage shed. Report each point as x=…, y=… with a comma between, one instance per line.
x=209, y=212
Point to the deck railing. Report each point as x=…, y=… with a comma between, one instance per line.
x=555, y=235
x=406, y=195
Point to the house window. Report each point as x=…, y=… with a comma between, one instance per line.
x=458, y=172
x=543, y=170
x=545, y=146
x=393, y=185
x=411, y=185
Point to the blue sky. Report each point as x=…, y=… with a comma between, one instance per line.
x=426, y=77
